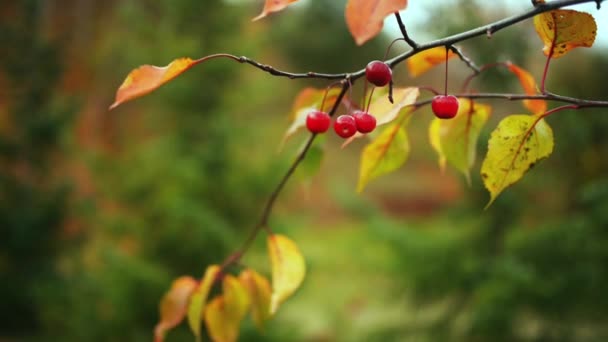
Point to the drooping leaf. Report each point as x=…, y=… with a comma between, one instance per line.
x=386, y=153
x=457, y=138
x=564, y=30
x=173, y=306
x=365, y=18
x=384, y=111
x=529, y=85
x=259, y=291
x=199, y=298
x=272, y=6
x=423, y=61
x=516, y=145
x=148, y=78
x=223, y=314
x=434, y=133
x=288, y=269
x=308, y=100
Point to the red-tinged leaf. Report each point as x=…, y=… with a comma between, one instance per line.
x=422, y=62
x=564, y=30
x=259, y=291
x=272, y=6
x=223, y=314
x=529, y=85
x=516, y=145
x=384, y=154
x=365, y=18
x=148, y=78
x=308, y=100
x=288, y=269
x=385, y=111
x=199, y=298
x=173, y=306
x=455, y=140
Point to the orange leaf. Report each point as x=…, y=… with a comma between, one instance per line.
x=422, y=62
x=564, y=30
x=173, y=306
x=148, y=78
x=365, y=18
x=273, y=6
x=529, y=85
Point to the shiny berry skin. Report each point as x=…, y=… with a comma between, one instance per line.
x=345, y=126
x=318, y=121
x=378, y=73
x=445, y=106
x=365, y=121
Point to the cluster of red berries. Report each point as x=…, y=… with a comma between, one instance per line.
x=345, y=125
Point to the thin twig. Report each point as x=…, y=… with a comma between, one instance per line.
x=406, y=37
x=468, y=61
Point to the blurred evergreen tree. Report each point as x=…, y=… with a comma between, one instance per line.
x=33, y=202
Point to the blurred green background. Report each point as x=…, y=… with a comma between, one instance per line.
x=100, y=210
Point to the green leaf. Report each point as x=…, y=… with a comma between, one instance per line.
x=199, y=298
x=311, y=165
x=384, y=154
x=223, y=315
x=456, y=139
x=516, y=145
x=288, y=269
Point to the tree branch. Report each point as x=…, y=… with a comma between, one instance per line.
x=263, y=222
x=468, y=61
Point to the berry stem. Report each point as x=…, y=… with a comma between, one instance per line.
x=369, y=101
x=391, y=46
x=364, y=94
x=445, y=89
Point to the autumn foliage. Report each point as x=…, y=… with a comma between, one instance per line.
x=517, y=144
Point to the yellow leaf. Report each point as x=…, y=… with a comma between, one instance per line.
x=199, y=298
x=515, y=146
x=423, y=61
x=173, y=306
x=435, y=140
x=384, y=154
x=365, y=18
x=273, y=6
x=457, y=138
x=259, y=293
x=385, y=111
x=288, y=269
x=529, y=85
x=223, y=315
x=308, y=100
x=564, y=30
x=148, y=78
